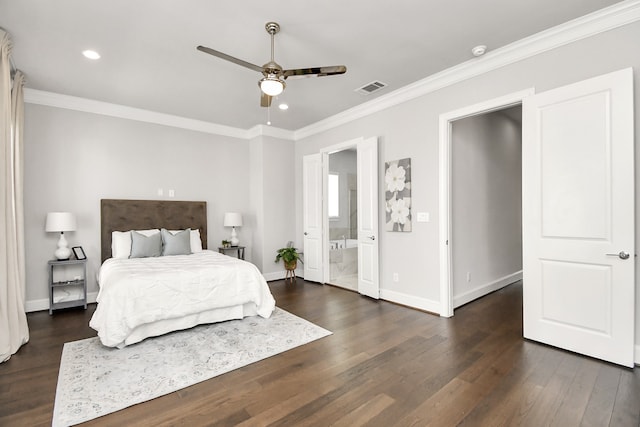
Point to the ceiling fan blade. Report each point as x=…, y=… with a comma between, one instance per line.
x=265, y=100
x=230, y=58
x=318, y=71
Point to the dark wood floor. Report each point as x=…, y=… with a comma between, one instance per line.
x=384, y=365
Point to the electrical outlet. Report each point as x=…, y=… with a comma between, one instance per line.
x=160, y=192
x=396, y=277
x=172, y=193
x=468, y=276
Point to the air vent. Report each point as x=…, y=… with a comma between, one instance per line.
x=371, y=87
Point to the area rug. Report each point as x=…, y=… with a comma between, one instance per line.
x=95, y=380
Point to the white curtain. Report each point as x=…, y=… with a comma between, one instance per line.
x=13, y=321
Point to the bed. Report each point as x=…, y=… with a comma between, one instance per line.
x=150, y=296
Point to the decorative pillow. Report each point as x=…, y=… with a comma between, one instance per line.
x=121, y=242
x=196, y=241
x=176, y=244
x=145, y=246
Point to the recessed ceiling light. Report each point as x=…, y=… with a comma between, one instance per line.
x=283, y=106
x=91, y=54
x=479, y=50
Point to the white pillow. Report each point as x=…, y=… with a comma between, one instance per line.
x=121, y=242
x=196, y=241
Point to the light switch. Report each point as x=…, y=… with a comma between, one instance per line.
x=160, y=192
x=423, y=217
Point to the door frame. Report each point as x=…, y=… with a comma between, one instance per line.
x=445, y=211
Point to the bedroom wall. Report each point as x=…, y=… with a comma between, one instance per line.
x=272, y=199
x=411, y=130
x=74, y=159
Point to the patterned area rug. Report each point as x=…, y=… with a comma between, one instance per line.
x=95, y=380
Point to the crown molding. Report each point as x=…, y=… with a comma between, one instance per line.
x=615, y=16
x=262, y=130
x=50, y=99
x=620, y=14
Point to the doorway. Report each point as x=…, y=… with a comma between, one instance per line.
x=363, y=205
x=486, y=203
x=342, y=212
x=447, y=121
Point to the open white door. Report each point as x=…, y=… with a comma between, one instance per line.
x=367, y=161
x=312, y=217
x=578, y=217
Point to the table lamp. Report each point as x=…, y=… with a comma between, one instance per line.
x=233, y=219
x=61, y=222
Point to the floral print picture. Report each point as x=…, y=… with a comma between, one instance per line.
x=397, y=180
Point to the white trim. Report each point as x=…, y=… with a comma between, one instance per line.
x=51, y=99
x=43, y=304
x=446, y=293
x=619, y=14
x=637, y=359
x=410, y=301
x=485, y=289
x=262, y=130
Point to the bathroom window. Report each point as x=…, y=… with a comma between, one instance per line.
x=334, y=196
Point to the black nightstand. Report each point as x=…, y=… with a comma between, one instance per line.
x=238, y=249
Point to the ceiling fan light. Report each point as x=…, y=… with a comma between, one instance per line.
x=271, y=85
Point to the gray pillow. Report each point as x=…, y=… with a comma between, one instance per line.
x=145, y=246
x=176, y=244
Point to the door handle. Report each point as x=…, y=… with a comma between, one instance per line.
x=621, y=255
x=306, y=234
x=372, y=237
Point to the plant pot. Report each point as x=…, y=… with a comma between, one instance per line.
x=291, y=265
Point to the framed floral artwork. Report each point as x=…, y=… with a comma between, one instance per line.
x=397, y=181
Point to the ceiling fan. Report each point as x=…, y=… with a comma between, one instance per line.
x=272, y=84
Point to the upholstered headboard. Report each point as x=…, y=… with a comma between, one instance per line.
x=124, y=215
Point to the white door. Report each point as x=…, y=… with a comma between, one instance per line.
x=367, y=176
x=578, y=217
x=312, y=217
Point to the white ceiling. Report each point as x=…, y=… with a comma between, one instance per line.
x=149, y=58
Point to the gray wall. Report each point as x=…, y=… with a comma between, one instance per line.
x=412, y=130
x=486, y=217
x=272, y=195
x=74, y=159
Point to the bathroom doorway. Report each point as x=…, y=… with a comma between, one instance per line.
x=342, y=210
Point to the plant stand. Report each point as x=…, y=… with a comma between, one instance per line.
x=291, y=271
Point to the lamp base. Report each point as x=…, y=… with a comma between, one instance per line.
x=63, y=253
x=234, y=237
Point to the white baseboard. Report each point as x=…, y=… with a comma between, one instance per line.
x=410, y=301
x=637, y=358
x=43, y=304
x=485, y=289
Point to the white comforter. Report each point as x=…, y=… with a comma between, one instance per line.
x=135, y=292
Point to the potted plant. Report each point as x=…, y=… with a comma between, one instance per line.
x=290, y=257
x=226, y=244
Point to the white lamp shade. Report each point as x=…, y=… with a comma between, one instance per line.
x=232, y=219
x=60, y=221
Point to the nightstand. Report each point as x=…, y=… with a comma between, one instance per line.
x=68, y=292
x=238, y=249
